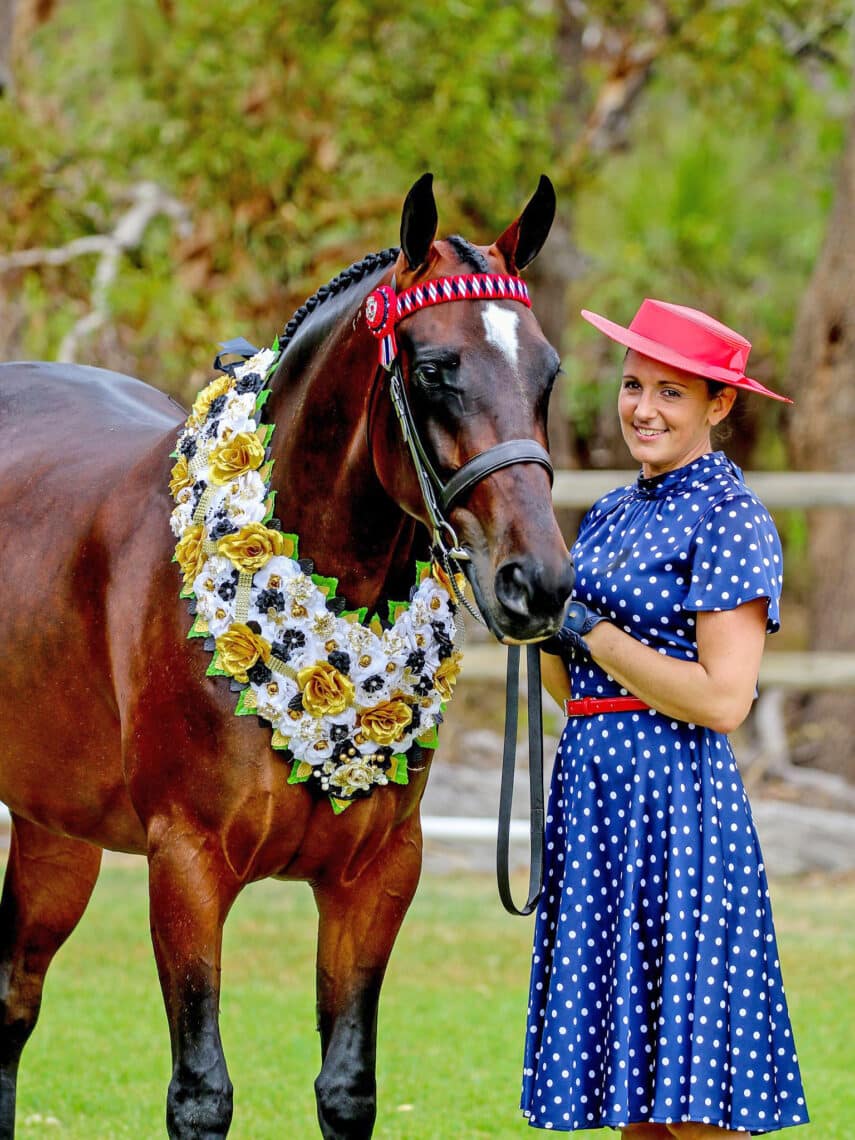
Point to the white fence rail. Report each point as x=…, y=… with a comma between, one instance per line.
x=777, y=489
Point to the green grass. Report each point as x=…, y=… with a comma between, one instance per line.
x=451, y=1017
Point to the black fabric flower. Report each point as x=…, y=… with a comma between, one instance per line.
x=373, y=683
x=216, y=406
x=198, y=490
x=222, y=527
x=339, y=732
x=188, y=447
x=423, y=686
x=228, y=588
x=270, y=600
x=445, y=645
x=290, y=640
x=259, y=674
x=250, y=382
x=296, y=703
x=416, y=660
x=340, y=751
x=339, y=660
x=384, y=761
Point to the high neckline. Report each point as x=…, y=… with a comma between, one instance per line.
x=698, y=471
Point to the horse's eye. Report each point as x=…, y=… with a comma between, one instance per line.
x=428, y=374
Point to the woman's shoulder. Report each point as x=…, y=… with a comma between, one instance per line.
x=728, y=492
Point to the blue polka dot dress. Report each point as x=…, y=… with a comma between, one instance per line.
x=656, y=990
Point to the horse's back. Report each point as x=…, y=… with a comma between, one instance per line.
x=83, y=399
x=69, y=435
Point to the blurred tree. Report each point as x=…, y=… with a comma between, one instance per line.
x=820, y=437
x=691, y=142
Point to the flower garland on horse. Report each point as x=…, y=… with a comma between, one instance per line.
x=345, y=697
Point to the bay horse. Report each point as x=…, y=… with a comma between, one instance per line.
x=115, y=735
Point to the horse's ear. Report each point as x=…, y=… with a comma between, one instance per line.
x=522, y=240
x=418, y=222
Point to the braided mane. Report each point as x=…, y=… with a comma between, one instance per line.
x=350, y=276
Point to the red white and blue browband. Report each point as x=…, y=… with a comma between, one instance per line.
x=384, y=307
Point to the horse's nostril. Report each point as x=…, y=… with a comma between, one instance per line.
x=514, y=587
x=525, y=589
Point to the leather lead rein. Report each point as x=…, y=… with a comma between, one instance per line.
x=535, y=780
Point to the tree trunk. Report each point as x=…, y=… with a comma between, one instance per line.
x=821, y=436
x=7, y=27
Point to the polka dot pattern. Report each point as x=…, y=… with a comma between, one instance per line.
x=656, y=990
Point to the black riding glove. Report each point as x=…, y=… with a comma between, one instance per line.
x=569, y=641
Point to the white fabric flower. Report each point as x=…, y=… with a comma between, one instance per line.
x=215, y=590
x=259, y=363
x=181, y=517
x=273, y=697
x=242, y=499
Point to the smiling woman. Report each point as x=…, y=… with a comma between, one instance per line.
x=656, y=1002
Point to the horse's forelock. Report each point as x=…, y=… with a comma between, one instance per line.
x=468, y=253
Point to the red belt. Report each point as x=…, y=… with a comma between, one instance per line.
x=590, y=706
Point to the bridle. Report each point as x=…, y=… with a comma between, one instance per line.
x=384, y=308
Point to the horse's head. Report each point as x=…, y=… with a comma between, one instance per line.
x=476, y=378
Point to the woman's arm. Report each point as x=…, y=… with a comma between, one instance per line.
x=555, y=678
x=716, y=691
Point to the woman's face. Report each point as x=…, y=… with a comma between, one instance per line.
x=666, y=415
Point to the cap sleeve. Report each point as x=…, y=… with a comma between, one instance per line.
x=735, y=558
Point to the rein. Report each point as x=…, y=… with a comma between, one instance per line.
x=384, y=308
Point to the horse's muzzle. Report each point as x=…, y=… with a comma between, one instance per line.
x=531, y=596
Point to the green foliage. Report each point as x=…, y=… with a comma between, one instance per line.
x=292, y=131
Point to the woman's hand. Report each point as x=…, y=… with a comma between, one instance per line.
x=715, y=691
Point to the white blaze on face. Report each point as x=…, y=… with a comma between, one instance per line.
x=500, y=326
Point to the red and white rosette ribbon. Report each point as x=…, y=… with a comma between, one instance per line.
x=381, y=315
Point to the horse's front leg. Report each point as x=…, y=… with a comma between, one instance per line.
x=190, y=891
x=359, y=921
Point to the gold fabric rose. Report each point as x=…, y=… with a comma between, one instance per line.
x=445, y=678
x=242, y=453
x=180, y=476
x=240, y=648
x=206, y=397
x=326, y=691
x=253, y=546
x=190, y=552
x=385, y=722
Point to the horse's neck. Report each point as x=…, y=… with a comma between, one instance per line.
x=327, y=490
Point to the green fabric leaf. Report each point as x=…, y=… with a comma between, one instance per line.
x=240, y=708
x=430, y=739
x=325, y=585
x=398, y=772
x=271, y=498
x=300, y=772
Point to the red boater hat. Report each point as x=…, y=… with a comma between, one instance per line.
x=688, y=339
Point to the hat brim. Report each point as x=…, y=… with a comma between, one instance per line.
x=666, y=355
